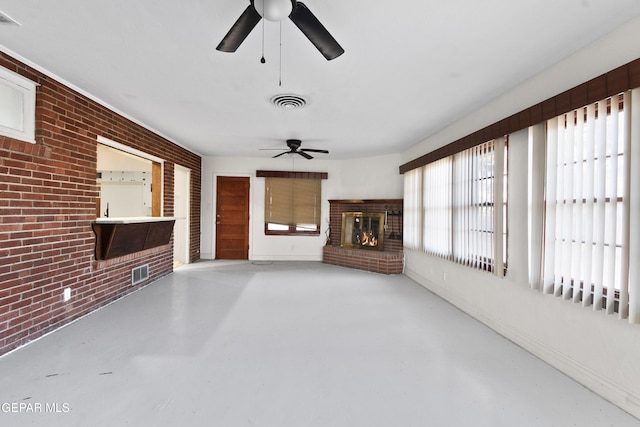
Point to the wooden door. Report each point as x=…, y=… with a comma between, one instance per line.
x=232, y=217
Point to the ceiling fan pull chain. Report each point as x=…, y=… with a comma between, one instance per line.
x=262, y=60
x=280, y=71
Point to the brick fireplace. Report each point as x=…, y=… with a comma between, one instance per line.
x=385, y=261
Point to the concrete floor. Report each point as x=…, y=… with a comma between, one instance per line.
x=287, y=344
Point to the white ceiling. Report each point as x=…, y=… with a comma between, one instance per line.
x=409, y=69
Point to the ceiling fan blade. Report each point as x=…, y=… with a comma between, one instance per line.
x=305, y=155
x=240, y=30
x=311, y=150
x=315, y=32
x=281, y=154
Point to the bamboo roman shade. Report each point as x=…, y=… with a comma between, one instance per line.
x=292, y=201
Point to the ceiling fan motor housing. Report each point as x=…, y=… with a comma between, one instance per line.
x=294, y=148
x=274, y=10
x=294, y=144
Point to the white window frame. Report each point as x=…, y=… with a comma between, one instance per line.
x=122, y=147
x=28, y=90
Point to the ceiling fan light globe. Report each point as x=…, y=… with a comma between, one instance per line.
x=274, y=10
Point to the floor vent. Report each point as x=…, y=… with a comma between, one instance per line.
x=139, y=274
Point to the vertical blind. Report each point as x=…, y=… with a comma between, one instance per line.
x=292, y=201
x=478, y=206
x=437, y=233
x=586, y=253
x=412, y=209
x=462, y=202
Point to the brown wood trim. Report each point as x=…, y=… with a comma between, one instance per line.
x=285, y=174
x=611, y=83
x=156, y=189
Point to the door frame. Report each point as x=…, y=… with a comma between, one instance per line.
x=214, y=229
x=178, y=169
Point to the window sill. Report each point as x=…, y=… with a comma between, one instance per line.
x=289, y=233
x=133, y=219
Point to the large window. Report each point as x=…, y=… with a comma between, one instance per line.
x=292, y=206
x=586, y=255
x=455, y=207
x=17, y=106
x=479, y=206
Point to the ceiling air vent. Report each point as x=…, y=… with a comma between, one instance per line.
x=289, y=101
x=7, y=20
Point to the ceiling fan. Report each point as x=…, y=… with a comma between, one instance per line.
x=294, y=148
x=278, y=10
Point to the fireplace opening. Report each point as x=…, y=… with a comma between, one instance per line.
x=362, y=230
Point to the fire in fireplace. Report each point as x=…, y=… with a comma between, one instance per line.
x=362, y=230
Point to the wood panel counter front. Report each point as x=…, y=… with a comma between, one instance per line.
x=116, y=237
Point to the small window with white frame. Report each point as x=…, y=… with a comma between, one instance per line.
x=17, y=106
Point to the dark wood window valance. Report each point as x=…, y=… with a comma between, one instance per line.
x=285, y=174
x=612, y=83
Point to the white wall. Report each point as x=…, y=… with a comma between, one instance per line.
x=110, y=159
x=612, y=51
x=599, y=351
x=123, y=199
x=370, y=178
x=346, y=180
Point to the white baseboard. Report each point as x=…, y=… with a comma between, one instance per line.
x=287, y=257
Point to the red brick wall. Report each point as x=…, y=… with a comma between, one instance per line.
x=47, y=204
